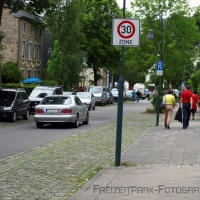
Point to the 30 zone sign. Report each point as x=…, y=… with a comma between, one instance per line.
x=126, y=32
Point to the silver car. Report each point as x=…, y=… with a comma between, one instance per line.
x=88, y=99
x=61, y=109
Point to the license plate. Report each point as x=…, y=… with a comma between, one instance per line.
x=52, y=111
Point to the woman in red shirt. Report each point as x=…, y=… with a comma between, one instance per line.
x=194, y=104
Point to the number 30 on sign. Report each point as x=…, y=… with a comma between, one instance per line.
x=126, y=32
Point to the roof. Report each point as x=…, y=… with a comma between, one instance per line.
x=25, y=15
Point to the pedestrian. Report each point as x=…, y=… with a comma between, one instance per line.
x=138, y=95
x=133, y=95
x=186, y=102
x=170, y=104
x=194, y=104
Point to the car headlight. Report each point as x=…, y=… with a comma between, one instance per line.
x=7, y=108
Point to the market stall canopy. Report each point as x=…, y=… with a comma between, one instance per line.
x=32, y=80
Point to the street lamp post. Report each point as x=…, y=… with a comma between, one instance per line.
x=151, y=36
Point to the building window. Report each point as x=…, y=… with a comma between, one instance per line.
x=38, y=74
x=29, y=73
x=40, y=33
x=23, y=71
x=30, y=51
x=36, y=33
x=39, y=52
x=31, y=30
x=24, y=28
x=23, y=48
x=34, y=74
x=35, y=51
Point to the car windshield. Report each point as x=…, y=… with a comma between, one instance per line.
x=83, y=96
x=7, y=95
x=95, y=90
x=41, y=93
x=56, y=100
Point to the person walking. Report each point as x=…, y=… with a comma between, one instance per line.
x=186, y=102
x=170, y=104
x=194, y=104
x=138, y=95
x=133, y=95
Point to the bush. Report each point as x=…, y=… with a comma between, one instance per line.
x=11, y=73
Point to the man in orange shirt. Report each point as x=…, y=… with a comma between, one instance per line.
x=186, y=100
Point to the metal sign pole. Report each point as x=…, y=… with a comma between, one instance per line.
x=120, y=104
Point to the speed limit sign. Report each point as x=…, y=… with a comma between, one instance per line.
x=126, y=32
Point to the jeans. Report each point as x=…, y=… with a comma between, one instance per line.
x=133, y=98
x=186, y=114
x=137, y=98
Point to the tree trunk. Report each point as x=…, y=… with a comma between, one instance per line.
x=95, y=76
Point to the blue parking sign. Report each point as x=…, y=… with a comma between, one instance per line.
x=159, y=65
x=159, y=68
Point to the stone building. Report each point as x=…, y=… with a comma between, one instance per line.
x=23, y=41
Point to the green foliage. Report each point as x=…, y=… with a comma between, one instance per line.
x=27, y=87
x=66, y=27
x=55, y=63
x=194, y=80
x=97, y=27
x=180, y=36
x=49, y=82
x=11, y=73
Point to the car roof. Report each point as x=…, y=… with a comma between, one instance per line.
x=47, y=87
x=61, y=95
x=13, y=89
x=83, y=93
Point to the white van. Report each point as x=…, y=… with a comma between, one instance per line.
x=141, y=88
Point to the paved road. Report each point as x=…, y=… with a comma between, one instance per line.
x=23, y=135
x=57, y=169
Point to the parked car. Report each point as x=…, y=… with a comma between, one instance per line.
x=100, y=94
x=40, y=92
x=14, y=103
x=114, y=92
x=68, y=93
x=61, y=109
x=129, y=95
x=88, y=99
x=109, y=97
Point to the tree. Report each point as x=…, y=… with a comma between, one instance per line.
x=180, y=39
x=34, y=7
x=97, y=26
x=11, y=73
x=55, y=64
x=65, y=26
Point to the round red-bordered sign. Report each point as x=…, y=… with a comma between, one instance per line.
x=132, y=31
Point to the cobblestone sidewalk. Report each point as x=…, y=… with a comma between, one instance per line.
x=58, y=169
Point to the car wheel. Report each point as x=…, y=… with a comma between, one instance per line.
x=94, y=107
x=14, y=116
x=102, y=103
x=26, y=116
x=39, y=124
x=87, y=119
x=76, y=123
x=111, y=102
x=89, y=107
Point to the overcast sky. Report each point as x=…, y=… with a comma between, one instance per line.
x=193, y=3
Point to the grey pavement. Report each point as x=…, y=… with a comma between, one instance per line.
x=161, y=164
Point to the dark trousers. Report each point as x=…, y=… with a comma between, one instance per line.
x=186, y=114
